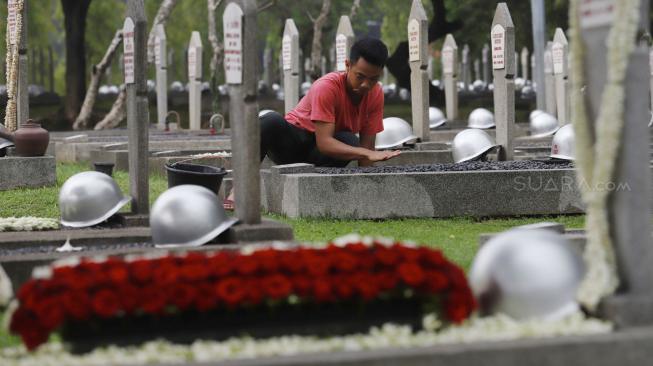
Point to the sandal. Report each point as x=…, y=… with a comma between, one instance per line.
x=229, y=205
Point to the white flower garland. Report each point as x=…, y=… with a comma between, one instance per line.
x=27, y=223
x=12, y=68
x=495, y=328
x=597, y=157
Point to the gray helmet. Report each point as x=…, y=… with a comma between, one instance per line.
x=527, y=273
x=395, y=133
x=534, y=113
x=480, y=118
x=543, y=124
x=562, y=145
x=471, y=144
x=187, y=215
x=263, y=112
x=88, y=198
x=436, y=117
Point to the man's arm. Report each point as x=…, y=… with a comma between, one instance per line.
x=329, y=146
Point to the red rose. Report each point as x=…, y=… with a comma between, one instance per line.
x=322, y=290
x=411, y=273
x=141, y=270
x=49, y=313
x=345, y=262
x=194, y=272
x=76, y=304
x=118, y=273
x=221, y=264
x=165, y=274
x=458, y=306
x=245, y=264
x=105, y=303
x=366, y=287
x=435, y=281
x=316, y=266
x=407, y=254
x=432, y=257
x=387, y=280
x=385, y=256
x=276, y=286
x=230, y=291
x=182, y=295
x=267, y=259
x=195, y=258
x=291, y=261
x=253, y=292
x=34, y=337
x=22, y=319
x=130, y=297
x=206, y=298
x=302, y=285
x=356, y=248
x=154, y=299
x=343, y=287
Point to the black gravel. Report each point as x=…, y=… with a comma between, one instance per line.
x=45, y=249
x=454, y=167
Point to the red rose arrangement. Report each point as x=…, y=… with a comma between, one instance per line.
x=202, y=281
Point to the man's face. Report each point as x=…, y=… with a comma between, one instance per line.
x=362, y=76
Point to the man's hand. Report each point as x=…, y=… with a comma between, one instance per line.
x=382, y=155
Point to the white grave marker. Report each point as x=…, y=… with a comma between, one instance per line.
x=195, y=81
x=290, y=61
x=128, y=50
x=595, y=13
x=286, y=52
x=232, y=20
x=344, y=40
x=413, y=40
x=419, y=77
x=160, y=62
x=12, y=9
x=498, y=37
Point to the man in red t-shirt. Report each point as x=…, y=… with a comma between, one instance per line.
x=323, y=127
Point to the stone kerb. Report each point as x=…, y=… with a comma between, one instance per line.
x=560, y=57
x=502, y=36
x=161, y=64
x=290, y=65
x=419, y=78
x=344, y=40
x=435, y=194
x=195, y=81
x=450, y=71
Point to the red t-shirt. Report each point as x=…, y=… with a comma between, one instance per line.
x=327, y=101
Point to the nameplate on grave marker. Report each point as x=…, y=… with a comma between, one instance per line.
x=341, y=52
x=498, y=38
x=157, y=51
x=558, y=56
x=192, y=61
x=12, y=13
x=286, y=52
x=447, y=59
x=232, y=20
x=596, y=13
x=128, y=50
x=413, y=40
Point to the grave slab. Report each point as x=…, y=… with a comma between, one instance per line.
x=31, y=172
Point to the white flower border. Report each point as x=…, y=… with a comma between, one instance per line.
x=596, y=157
x=495, y=328
x=27, y=223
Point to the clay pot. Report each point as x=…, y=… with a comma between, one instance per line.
x=31, y=139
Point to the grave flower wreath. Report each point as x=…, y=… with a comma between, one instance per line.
x=238, y=283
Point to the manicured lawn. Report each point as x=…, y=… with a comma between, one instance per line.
x=457, y=237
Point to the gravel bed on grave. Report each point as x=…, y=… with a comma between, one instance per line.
x=453, y=167
x=45, y=249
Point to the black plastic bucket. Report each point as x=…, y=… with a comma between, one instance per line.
x=202, y=175
x=106, y=168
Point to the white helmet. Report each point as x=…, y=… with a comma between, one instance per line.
x=562, y=145
x=436, y=117
x=395, y=133
x=542, y=124
x=471, y=144
x=480, y=118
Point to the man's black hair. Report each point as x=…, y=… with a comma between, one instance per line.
x=371, y=49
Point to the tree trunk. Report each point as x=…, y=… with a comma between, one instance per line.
x=161, y=17
x=398, y=62
x=75, y=12
x=117, y=113
x=316, y=50
x=96, y=76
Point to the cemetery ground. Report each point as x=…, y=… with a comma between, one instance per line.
x=456, y=237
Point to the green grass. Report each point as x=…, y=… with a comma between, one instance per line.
x=457, y=237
